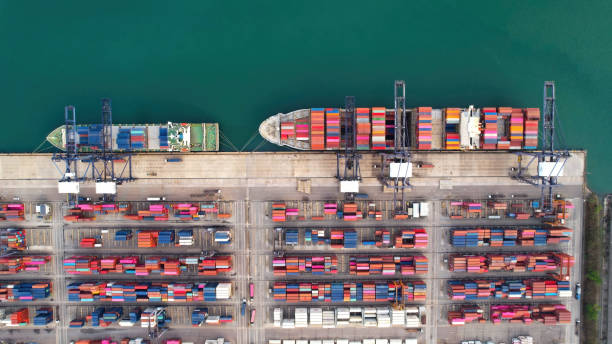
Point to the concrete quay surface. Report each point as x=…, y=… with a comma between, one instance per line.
x=248, y=182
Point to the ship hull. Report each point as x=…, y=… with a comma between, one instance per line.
x=467, y=128
x=169, y=137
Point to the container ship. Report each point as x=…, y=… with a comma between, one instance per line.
x=170, y=137
x=488, y=128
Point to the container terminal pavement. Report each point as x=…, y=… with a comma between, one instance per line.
x=106, y=272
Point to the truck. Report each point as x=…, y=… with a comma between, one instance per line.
x=361, y=195
x=223, y=237
x=243, y=307
x=154, y=199
x=252, y=316
x=174, y=159
x=578, y=291
x=252, y=291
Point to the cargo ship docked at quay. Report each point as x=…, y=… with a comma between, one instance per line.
x=170, y=137
x=470, y=128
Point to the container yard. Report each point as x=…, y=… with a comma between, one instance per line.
x=232, y=248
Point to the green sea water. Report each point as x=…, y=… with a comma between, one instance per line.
x=238, y=62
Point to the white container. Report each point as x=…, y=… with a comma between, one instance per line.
x=424, y=209
x=288, y=323
x=301, y=317
x=224, y=291
x=316, y=317
x=398, y=317
x=329, y=319
x=415, y=210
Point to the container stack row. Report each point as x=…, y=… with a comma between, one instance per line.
x=387, y=265
x=489, y=131
x=287, y=130
x=315, y=265
x=452, y=138
x=473, y=290
x=424, y=128
x=466, y=315
x=529, y=262
x=13, y=265
x=23, y=317
x=498, y=237
x=516, y=129
x=148, y=291
x=88, y=265
x=12, y=212
x=532, y=116
x=339, y=317
x=24, y=291
x=378, y=128
x=317, y=129
x=549, y=314
x=332, y=121
x=394, y=291
x=13, y=239
x=363, y=128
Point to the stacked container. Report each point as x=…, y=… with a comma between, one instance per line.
x=287, y=130
x=498, y=237
x=387, y=265
x=278, y=212
x=137, y=138
x=317, y=265
x=332, y=122
x=531, y=128
x=550, y=314
x=536, y=262
x=302, y=127
x=330, y=208
x=363, y=128
x=507, y=289
x=516, y=129
x=123, y=139
x=12, y=212
x=350, y=212
x=505, y=119
x=13, y=265
x=43, y=316
x=13, y=239
x=390, y=128
x=424, y=128
x=349, y=291
x=317, y=129
x=163, y=138
x=452, y=139
x=147, y=239
x=350, y=238
x=489, y=132
x=466, y=315
x=378, y=128
x=24, y=291
x=411, y=238
x=292, y=236
x=148, y=291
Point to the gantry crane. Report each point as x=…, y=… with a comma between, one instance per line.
x=98, y=165
x=106, y=174
x=399, y=303
x=351, y=176
x=396, y=168
x=70, y=178
x=550, y=160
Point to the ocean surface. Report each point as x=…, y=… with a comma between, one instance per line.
x=238, y=62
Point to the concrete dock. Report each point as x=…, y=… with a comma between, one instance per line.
x=248, y=183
